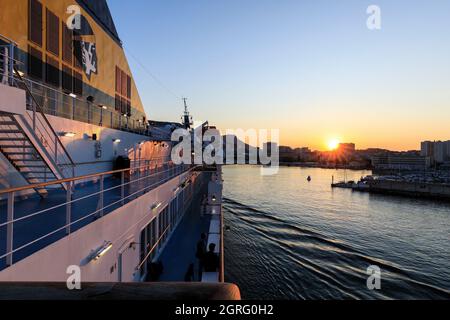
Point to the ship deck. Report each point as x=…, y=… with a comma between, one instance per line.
x=180, y=250
x=36, y=232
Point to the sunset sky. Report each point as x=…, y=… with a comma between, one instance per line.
x=309, y=68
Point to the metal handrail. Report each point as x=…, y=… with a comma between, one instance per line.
x=66, y=180
x=91, y=195
x=68, y=204
x=8, y=39
x=132, y=127
x=11, y=58
x=41, y=111
x=138, y=267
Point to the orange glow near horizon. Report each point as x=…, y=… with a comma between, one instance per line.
x=333, y=144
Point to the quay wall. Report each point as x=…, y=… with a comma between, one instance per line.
x=431, y=190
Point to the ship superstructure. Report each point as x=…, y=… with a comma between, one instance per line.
x=86, y=179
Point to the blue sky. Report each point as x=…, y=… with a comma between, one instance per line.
x=310, y=68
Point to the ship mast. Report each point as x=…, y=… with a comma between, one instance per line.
x=187, y=120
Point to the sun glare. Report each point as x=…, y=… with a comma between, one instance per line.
x=333, y=144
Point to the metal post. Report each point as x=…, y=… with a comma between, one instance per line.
x=56, y=150
x=89, y=112
x=139, y=164
x=5, y=77
x=73, y=108
x=101, y=195
x=122, y=186
x=68, y=206
x=34, y=114
x=11, y=63
x=57, y=105
x=10, y=229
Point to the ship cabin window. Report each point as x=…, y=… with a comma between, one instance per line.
x=35, y=22
x=118, y=105
x=67, y=82
x=156, y=233
x=35, y=65
x=77, y=52
x=77, y=83
x=52, y=71
x=123, y=92
x=52, y=33
x=67, y=48
x=148, y=241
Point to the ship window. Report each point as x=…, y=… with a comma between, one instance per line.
x=77, y=83
x=128, y=108
x=35, y=65
x=52, y=33
x=67, y=38
x=78, y=61
x=35, y=22
x=123, y=109
x=118, y=79
x=52, y=72
x=142, y=245
x=67, y=82
x=128, y=87
x=118, y=103
x=123, y=92
x=124, y=84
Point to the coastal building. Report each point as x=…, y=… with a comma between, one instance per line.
x=346, y=148
x=303, y=154
x=437, y=151
x=408, y=161
x=427, y=148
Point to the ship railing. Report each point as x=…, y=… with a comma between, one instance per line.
x=110, y=191
x=56, y=102
x=37, y=119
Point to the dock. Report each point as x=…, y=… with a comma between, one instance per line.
x=399, y=187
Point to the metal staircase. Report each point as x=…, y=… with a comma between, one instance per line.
x=23, y=154
x=28, y=141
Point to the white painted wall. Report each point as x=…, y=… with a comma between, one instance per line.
x=81, y=147
x=12, y=100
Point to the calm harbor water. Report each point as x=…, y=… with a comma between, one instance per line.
x=293, y=239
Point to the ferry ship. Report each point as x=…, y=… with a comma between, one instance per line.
x=87, y=179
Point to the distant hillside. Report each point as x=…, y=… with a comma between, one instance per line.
x=248, y=149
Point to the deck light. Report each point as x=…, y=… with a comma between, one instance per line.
x=213, y=198
x=156, y=205
x=116, y=140
x=73, y=95
x=20, y=73
x=104, y=107
x=69, y=134
x=99, y=252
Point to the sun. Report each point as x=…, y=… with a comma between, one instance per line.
x=333, y=144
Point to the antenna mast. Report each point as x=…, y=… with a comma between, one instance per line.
x=187, y=121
